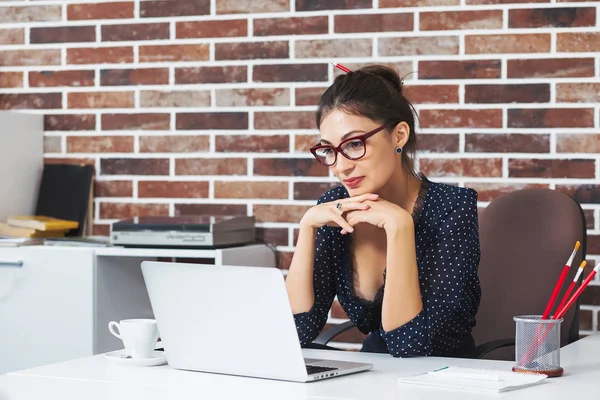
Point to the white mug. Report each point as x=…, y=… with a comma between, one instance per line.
x=139, y=336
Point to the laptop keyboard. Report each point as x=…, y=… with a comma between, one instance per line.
x=314, y=369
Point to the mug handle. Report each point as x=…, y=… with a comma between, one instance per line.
x=112, y=326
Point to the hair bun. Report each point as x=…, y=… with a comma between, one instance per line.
x=386, y=73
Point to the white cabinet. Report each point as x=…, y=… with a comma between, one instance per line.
x=45, y=305
x=56, y=302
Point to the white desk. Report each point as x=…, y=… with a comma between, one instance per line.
x=96, y=378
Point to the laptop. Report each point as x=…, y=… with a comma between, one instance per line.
x=233, y=320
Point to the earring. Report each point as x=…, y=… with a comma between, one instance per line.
x=398, y=150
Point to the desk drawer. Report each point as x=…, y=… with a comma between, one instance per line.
x=46, y=303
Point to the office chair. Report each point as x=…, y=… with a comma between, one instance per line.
x=526, y=238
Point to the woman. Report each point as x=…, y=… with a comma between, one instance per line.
x=400, y=252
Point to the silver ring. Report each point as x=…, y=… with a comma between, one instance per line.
x=338, y=206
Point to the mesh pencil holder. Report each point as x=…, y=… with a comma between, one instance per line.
x=537, y=345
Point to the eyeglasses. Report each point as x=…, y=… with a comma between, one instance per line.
x=353, y=148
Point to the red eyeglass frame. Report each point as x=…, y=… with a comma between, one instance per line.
x=338, y=149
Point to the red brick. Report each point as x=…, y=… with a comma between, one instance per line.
x=312, y=190
x=174, y=144
x=302, y=143
x=319, y=48
x=11, y=79
x=461, y=167
x=438, y=143
x=551, y=118
x=252, y=143
x=211, y=166
x=29, y=57
x=308, y=96
x=584, y=194
x=30, y=14
x=318, y=5
x=13, y=101
x=172, y=189
x=490, y=191
x=352, y=335
x=337, y=311
x=100, y=55
x=113, y=189
x=477, y=2
x=52, y=144
x=532, y=168
x=464, y=69
x=585, y=320
x=425, y=45
x=12, y=36
x=225, y=74
x=251, y=50
x=69, y=160
x=355, y=23
x=516, y=93
x=551, y=68
x=508, y=43
x=101, y=229
x=552, y=17
x=252, y=97
x=142, y=121
x=175, y=52
x=507, y=143
x=453, y=20
x=251, y=6
x=212, y=120
x=578, y=92
x=61, y=78
x=139, y=76
x=288, y=167
x=578, y=143
x=210, y=209
x=164, y=8
x=417, y=3
x=284, y=120
x=273, y=236
x=210, y=29
x=431, y=94
x=251, y=190
x=485, y=118
x=291, y=26
x=112, y=33
x=120, y=10
x=175, y=98
x=70, y=122
x=578, y=42
x=100, y=144
x=100, y=100
x=134, y=166
x=63, y=34
x=129, y=210
x=279, y=213
x=290, y=73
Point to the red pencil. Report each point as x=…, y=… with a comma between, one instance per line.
x=559, y=283
x=572, y=285
x=577, y=293
x=340, y=66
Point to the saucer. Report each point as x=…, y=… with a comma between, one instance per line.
x=119, y=356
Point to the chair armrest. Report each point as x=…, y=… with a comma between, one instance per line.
x=326, y=336
x=485, y=348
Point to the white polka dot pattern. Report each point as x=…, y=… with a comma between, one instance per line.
x=447, y=248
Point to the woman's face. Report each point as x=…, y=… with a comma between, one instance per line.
x=371, y=172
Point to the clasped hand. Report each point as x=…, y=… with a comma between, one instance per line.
x=347, y=213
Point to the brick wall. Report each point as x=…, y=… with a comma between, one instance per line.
x=207, y=105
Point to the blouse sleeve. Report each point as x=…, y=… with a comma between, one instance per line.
x=309, y=324
x=449, y=288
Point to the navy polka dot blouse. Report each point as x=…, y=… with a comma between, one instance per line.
x=447, y=248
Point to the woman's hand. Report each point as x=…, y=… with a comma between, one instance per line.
x=331, y=213
x=380, y=213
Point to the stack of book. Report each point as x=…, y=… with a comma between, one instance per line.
x=36, y=226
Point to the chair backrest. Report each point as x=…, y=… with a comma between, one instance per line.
x=526, y=238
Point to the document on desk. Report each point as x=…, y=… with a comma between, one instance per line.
x=474, y=380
